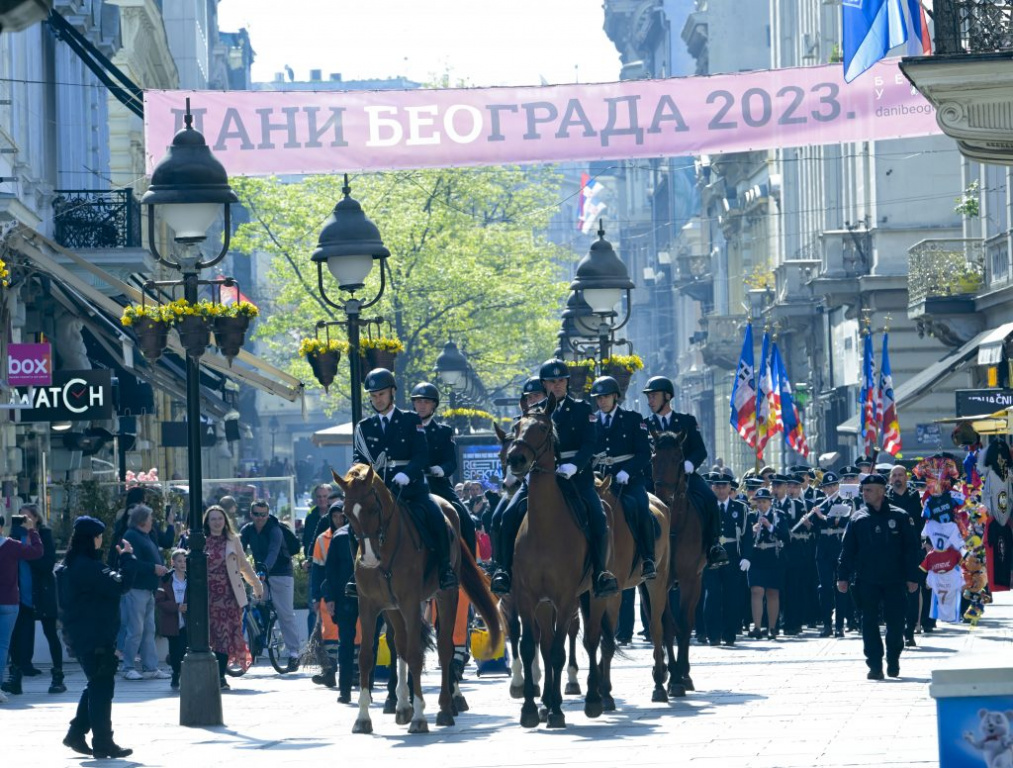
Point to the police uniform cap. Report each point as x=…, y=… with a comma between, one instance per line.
x=873, y=479
x=863, y=460
x=378, y=379
x=89, y=526
x=717, y=477
x=779, y=478
x=659, y=384
x=800, y=469
x=754, y=482
x=794, y=480
x=767, y=469
x=850, y=471
x=881, y=468
x=733, y=482
x=604, y=385
x=553, y=369
x=426, y=391
x=830, y=478
x=532, y=386
x=763, y=493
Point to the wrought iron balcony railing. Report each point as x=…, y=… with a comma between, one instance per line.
x=92, y=218
x=945, y=268
x=973, y=26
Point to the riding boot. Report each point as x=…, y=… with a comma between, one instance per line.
x=13, y=684
x=501, y=580
x=350, y=589
x=56, y=685
x=648, y=570
x=448, y=579
x=603, y=582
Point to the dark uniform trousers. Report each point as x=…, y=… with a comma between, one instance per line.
x=724, y=589
x=835, y=606
x=440, y=486
x=95, y=707
x=443, y=454
x=796, y=568
x=892, y=598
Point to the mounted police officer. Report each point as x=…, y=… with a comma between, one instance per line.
x=400, y=439
x=724, y=588
x=624, y=452
x=660, y=391
x=575, y=432
x=442, y=463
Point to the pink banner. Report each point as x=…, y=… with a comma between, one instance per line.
x=299, y=132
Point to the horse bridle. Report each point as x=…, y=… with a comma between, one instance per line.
x=536, y=454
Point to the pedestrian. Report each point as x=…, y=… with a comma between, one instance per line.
x=89, y=599
x=38, y=603
x=338, y=568
x=763, y=561
x=310, y=531
x=227, y=568
x=901, y=495
x=880, y=554
x=170, y=602
x=13, y=553
x=325, y=630
x=139, y=602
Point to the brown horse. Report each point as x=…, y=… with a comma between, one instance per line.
x=653, y=593
x=687, y=557
x=551, y=569
x=395, y=573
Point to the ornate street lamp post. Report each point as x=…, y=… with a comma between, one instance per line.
x=190, y=189
x=452, y=370
x=348, y=245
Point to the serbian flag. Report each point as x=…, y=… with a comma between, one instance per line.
x=869, y=412
x=589, y=208
x=888, y=405
x=872, y=28
x=232, y=295
x=768, y=399
x=794, y=432
x=743, y=400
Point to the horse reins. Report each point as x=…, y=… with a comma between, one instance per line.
x=536, y=454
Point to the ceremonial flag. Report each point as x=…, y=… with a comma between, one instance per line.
x=768, y=417
x=871, y=28
x=589, y=208
x=888, y=405
x=869, y=413
x=232, y=295
x=743, y=400
x=794, y=432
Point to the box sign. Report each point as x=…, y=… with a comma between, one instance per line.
x=72, y=396
x=978, y=402
x=480, y=462
x=29, y=365
x=928, y=434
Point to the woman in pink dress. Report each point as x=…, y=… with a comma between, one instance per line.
x=227, y=567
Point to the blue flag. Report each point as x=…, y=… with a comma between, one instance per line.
x=871, y=28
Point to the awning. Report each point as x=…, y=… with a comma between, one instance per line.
x=245, y=367
x=990, y=351
x=926, y=380
x=338, y=435
x=997, y=423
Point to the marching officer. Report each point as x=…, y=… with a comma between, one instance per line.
x=724, y=587
x=575, y=431
x=880, y=554
x=400, y=438
x=791, y=511
x=624, y=452
x=830, y=518
x=442, y=463
x=763, y=561
x=660, y=391
x=810, y=578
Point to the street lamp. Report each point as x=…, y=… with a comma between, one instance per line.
x=600, y=280
x=190, y=188
x=348, y=244
x=273, y=425
x=452, y=370
x=578, y=318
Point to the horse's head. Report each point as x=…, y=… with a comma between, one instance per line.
x=505, y=441
x=533, y=441
x=668, y=465
x=367, y=501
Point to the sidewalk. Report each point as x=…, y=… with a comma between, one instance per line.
x=796, y=702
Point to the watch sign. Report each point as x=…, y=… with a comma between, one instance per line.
x=72, y=396
x=29, y=365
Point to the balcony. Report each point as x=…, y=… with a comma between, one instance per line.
x=105, y=225
x=969, y=77
x=944, y=278
x=722, y=340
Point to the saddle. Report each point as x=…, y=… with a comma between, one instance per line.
x=574, y=503
x=629, y=512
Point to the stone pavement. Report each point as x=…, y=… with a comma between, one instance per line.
x=795, y=702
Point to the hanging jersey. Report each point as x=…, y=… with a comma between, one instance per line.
x=943, y=535
x=946, y=591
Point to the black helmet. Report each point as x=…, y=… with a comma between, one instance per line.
x=532, y=386
x=553, y=369
x=426, y=391
x=660, y=384
x=379, y=378
x=604, y=385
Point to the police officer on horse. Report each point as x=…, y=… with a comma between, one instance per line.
x=660, y=391
x=575, y=431
x=394, y=442
x=624, y=452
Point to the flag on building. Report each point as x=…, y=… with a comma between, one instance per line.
x=589, y=207
x=888, y=405
x=794, y=432
x=869, y=412
x=871, y=28
x=768, y=399
x=743, y=400
x=230, y=294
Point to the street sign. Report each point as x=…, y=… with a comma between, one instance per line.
x=928, y=434
x=29, y=365
x=480, y=462
x=976, y=402
x=73, y=396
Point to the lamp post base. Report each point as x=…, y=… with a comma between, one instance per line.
x=200, y=700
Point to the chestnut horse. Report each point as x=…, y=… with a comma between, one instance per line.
x=687, y=556
x=551, y=570
x=396, y=573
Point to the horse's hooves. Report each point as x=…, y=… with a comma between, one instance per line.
x=687, y=681
x=676, y=690
x=418, y=726
x=659, y=695
x=556, y=720
x=608, y=703
x=403, y=716
x=444, y=718
x=390, y=706
x=593, y=708
x=517, y=691
x=460, y=704
x=572, y=689
x=543, y=714
x=529, y=718
x=363, y=726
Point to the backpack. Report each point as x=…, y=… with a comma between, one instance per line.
x=292, y=544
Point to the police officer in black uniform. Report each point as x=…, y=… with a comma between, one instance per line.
x=791, y=511
x=724, y=588
x=442, y=463
x=624, y=452
x=575, y=432
x=830, y=518
x=660, y=391
x=400, y=438
x=880, y=554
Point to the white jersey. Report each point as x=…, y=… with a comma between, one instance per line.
x=946, y=590
x=943, y=535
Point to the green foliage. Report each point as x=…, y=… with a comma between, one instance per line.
x=969, y=204
x=465, y=263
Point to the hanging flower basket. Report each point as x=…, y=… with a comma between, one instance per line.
x=194, y=333
x=323, y=355
x=152, y=337
x=580, y=372
x=230, y=335
x=379, y=353
x=622, y=368
x=463, y=418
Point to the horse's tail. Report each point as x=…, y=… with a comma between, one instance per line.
x=476, y=587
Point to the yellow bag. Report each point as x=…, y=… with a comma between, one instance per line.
x=382, y=651
x=480, y=647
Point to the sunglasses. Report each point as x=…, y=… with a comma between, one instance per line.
x=259, y=514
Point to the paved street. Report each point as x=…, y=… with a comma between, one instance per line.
x=788, y=703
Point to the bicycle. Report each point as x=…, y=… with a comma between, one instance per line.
x=262, y=632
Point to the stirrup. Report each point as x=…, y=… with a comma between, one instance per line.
x=500, y=584
x=605, y=584
x=716, y=556
x=351, y=590
x=648, y=570
x=448, y=579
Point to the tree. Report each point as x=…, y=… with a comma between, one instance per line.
x=467, y=262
